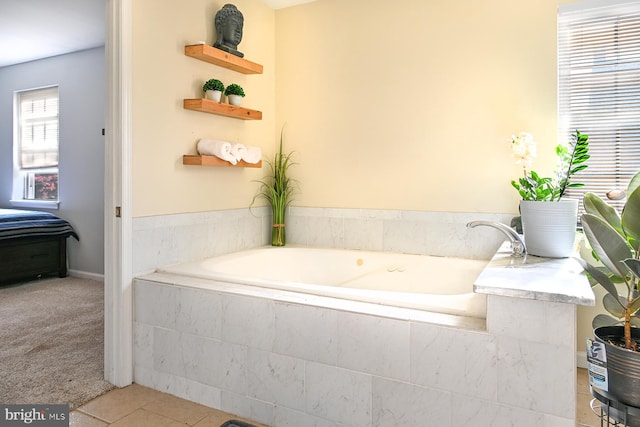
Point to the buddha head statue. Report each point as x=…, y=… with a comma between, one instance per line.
x=229, y=22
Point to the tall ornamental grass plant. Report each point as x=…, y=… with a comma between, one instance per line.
x=278, y=189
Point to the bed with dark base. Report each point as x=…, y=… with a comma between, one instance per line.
x=32, y=244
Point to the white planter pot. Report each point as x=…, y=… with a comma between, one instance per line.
x=549, y=227
x=214, y=95
x=235, y=100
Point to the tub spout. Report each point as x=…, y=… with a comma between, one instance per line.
x=517, y=244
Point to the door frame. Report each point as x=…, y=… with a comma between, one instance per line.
x=118, y=218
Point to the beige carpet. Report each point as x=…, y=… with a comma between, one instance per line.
x=51, y=342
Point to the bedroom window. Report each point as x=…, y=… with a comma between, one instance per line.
x=36, y=136
x=599, y=89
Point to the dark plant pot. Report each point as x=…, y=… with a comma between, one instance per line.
x=619, y=415
x=623, y=366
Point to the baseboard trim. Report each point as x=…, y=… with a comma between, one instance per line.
x=581, y=359
x=86, y=275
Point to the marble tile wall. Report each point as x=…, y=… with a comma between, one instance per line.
x=169, y=239
x=288, y=364
x=294, y=365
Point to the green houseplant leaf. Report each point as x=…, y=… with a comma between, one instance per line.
x=594, y=205
x=634, y=305
x=607, y=243
x=572, y=160
x=633, y=184
x=633, y=265
x=604, y=320
x=613, y=239
x=614, y=306
x=600, y=277
x=630, y=216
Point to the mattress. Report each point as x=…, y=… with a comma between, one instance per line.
x=22, y=224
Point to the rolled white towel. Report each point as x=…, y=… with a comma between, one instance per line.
x=214, y=147
x=238, y=150
x=252, y=155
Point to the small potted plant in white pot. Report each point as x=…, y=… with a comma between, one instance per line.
x=235, y=93
x=212, y=89
x=548, y=220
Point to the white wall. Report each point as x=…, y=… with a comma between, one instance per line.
x=80, y=77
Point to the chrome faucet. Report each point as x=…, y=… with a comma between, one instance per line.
x=517, y=244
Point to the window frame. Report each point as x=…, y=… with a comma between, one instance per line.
x=19, y=184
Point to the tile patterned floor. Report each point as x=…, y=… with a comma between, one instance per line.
x=585, y=416
x=138, y=406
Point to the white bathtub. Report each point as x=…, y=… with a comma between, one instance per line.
x=428, y=283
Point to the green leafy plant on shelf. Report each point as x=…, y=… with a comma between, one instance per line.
x=213, y=84
x=278, y=189
x=234, y=89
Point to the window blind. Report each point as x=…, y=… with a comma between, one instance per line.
x=599, y=92
x=38, y=127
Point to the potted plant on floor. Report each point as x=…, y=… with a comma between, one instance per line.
x=615, y=241
x=278, y=189
x=548, y=221
x=235, y=93
x=212, y=89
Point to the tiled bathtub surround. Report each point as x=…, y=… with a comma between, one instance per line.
x=169, y=239
x=287, y=364
x=306, y=362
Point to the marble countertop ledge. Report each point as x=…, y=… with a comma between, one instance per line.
x=531, y=277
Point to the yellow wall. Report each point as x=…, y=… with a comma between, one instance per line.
x=388, y=105
x=410, y=104
x=163, y=131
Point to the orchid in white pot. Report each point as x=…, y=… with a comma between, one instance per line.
x=548, y=221
x=571, y=159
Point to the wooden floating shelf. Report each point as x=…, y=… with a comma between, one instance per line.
x=221, y=58
x=222, y=109
x=194, y=160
